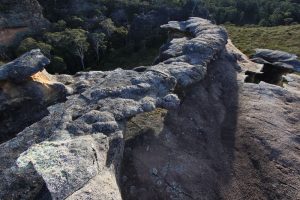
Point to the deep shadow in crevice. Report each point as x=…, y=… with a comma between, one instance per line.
x=192, y=156
x=44, y=194
x=269, y=74
x=29, y=107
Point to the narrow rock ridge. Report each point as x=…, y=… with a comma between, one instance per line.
x=75, y=152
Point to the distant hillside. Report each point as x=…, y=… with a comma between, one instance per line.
x=285, y=38
x=262, y=12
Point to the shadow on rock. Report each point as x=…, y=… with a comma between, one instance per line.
x=191, y=156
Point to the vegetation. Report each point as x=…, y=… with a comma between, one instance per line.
x=128, y=59
x=30, y=43
x=262, y=12
x=247, y=38
x=102, y=34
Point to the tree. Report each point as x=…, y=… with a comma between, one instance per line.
x=60, y=25
x=98, y=42
x=108, y=26
x=73, y=41
x=76, y=39
x=30, y=43
x=57, y=65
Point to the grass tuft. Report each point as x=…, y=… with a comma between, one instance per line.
x=284, y=38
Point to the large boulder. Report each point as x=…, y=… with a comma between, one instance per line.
x=278, y=59
x=77, y=147
x=25, y=91
x=18, y=18
x=23, y=67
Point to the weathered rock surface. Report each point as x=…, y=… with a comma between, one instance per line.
x=227, y=140
x=215, y=142
x=24, y=66
x=275, y=65
x=17, y=17
x=277, y=58
x=26, y=13
x=95, y=113
x=26, y=89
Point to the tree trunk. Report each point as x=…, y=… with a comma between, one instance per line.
x=97, y=54
x=82, y=62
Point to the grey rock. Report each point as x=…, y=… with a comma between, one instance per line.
x=77, y=147
x=26, y=90
x=277, y=58
x=26, y=13
x=23, y=67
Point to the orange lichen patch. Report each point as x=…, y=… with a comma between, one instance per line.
x=38, y=82
x=8, y=35
x=41, y=78
x=44, y=83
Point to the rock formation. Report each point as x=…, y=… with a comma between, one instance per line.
x=26, y=90
x=17, y=17
x=26, y=13
x=275, y=65
x=214, y=142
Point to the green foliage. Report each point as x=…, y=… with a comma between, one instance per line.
x=72, y=41
x=30, y=43
x=263, y=12
x=99, y=43
x=60, y=25
x=108, y=27
x=57, y=65
x=75, y=22
x=285, y=38
x=126, y=58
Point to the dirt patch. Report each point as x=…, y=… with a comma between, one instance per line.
x=8, y=35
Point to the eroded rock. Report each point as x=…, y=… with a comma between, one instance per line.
x=95, y=113
x=208, y=145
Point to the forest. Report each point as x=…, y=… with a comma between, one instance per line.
x=261, y=12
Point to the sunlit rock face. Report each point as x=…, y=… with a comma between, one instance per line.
x=206, y=143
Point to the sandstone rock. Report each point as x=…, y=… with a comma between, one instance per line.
x=81, y=138
x=27, y=13
x=277, y=59
x=23, y=67
x=18, y=18
x=26, y=89
x=208, y=145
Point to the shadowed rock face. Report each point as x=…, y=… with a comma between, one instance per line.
x=25, y=13
x=275, y=65
x=23, y=67
x=279, y=59
x=18, y=18
x=26, y=89
x=197, y=150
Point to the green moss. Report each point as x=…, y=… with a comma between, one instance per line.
x=285, y=38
